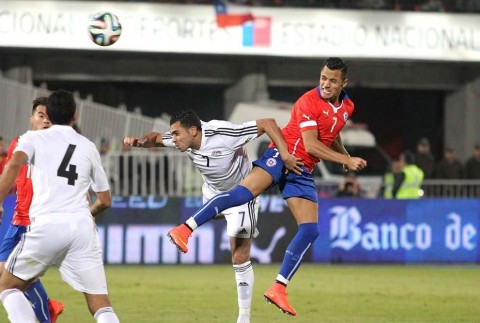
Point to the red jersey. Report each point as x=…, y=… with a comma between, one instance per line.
x=24, y=191
x=312, y=112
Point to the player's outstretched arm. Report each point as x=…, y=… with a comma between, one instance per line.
x=9, y=175
x=152, y=139
x=102, y=202
x=318, y=150
x=270, y=127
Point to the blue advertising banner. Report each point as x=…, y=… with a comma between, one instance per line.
x=134, y=231
x=400, y=231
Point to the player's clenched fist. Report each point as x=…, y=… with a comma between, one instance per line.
x=130, y=141
x=356, y=164
x=147, y=141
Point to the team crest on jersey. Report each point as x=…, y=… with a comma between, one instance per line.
x=216, y=153
x=271, y=162
x=345, y=116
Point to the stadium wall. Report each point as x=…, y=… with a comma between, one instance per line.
x=134, y=231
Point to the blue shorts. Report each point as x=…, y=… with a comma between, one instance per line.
x=291, y=184
x=12, y=238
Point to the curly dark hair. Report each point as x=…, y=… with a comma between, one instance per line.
x=335, y=63
x=187, y=119
x=41, y=100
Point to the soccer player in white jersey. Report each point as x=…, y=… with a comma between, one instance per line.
x=62, y=233
x=216, y=149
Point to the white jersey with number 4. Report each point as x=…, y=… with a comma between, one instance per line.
x=65, y=165
x=222, y=160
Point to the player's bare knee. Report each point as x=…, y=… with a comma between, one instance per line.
x=238, y=259
x=240, y=256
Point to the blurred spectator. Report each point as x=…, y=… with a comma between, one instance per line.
x=389, y=179
x=472, y=166
x=104, y=146
x=424, y=158
x=3, y=154
x=408, y=182
x=350, y=187
x=449, y=167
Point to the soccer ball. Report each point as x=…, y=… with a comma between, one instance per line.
x=104, y=28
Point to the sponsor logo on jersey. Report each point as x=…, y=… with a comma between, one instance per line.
x=305, y=116
x=216, y=153
x=325, y=112
x=271, y=162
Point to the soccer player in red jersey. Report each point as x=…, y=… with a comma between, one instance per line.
x=312, y=134
x=46, y=310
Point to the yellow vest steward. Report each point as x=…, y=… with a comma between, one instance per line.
x=411, y=185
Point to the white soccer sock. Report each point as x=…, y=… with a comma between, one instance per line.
x=17, y=306
x=243, y=315
x=245, y=279
x=106, y=315
x=282, y=279
x=191, y=223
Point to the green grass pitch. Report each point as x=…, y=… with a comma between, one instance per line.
x=319, y=293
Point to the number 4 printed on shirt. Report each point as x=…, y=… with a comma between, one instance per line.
x=71, y=174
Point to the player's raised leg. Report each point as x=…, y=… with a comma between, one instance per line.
x=257, y=181
x=180, y=234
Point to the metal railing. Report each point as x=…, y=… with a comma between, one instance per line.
x=95, y=120
x=169, y=172
x=451, y=188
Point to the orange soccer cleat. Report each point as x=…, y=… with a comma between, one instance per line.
x=278, y=297
x=55, y=308
x=179, y=237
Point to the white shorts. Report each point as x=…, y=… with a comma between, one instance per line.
x=241, y=220
x=67, y=241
